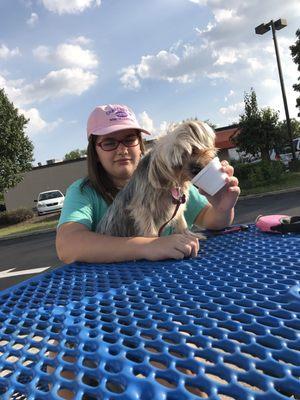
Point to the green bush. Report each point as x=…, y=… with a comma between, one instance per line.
x=258, y=174
x=294, y=166
x=15, y=216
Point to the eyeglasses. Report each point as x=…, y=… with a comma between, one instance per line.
x=112, y=144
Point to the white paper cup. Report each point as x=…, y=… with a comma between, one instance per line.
x=211, y=179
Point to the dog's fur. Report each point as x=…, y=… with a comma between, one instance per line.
x=145, y=203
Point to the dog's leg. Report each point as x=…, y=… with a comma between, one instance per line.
x=181, y=227
x=144, y=224
x=198, y=235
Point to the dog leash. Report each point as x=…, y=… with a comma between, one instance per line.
x=178, y=198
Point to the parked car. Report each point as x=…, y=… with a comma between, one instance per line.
x=49, y=201
x=286, y=155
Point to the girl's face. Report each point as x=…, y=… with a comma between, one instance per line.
x=121, y=162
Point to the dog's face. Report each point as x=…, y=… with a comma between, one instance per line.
x=181, y=154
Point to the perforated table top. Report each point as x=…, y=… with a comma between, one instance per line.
x=224, y=325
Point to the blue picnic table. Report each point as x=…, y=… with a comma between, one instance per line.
x=223, y=325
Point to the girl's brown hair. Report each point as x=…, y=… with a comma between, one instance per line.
x=97, y=177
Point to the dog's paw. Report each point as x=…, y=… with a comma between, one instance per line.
x=198, y=235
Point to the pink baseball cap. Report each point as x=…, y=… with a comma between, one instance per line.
x=112, y=118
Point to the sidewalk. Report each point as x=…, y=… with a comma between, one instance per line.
x=252, y=196
x=34, y=233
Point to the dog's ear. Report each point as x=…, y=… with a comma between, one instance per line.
x=159, y=175
x=179, y=156
x=168, y=157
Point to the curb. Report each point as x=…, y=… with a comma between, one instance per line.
x=241, y=198
x=21, y=235
x=254, y=196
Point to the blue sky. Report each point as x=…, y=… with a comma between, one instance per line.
x=167, y=59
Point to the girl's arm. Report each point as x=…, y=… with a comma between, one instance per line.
x=75, y=242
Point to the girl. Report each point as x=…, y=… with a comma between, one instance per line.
x=115, y=147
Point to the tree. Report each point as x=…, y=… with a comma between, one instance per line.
x=211, y=124
x=295, y=127
x=75, y=154
x=295, y=50
x=283, y=140
x=259, y=130
x=16, y=150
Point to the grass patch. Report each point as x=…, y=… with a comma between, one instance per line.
x=288, y=181
x=32, y=225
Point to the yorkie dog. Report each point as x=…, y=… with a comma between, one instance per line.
x=158, y=190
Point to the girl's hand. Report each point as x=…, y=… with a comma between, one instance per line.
x=226, y=198
x=176, y=246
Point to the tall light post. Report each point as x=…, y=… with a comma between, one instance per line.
x=276, y=26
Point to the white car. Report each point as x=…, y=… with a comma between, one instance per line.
x=49, y=201
x=287, y=156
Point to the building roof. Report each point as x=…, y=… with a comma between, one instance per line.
x=224, y=136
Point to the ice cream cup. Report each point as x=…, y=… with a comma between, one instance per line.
x=211, y=178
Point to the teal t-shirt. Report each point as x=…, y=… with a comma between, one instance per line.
x=86, y=207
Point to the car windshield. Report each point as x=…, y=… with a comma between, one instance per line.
x=296, y=143
x=286, y=150
x=50, y=195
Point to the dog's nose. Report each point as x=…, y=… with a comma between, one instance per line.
x=195, y=169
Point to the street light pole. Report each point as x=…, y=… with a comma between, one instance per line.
x=260, y=30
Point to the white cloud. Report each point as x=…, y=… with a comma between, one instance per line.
x=158, y=66
x=42, y=53
x=223, y=15
x=255, y=64
x=227, y=49
x=163, y=128
x=226, y=56
x=37, y=124
x=146, y=122
x=165, y=65
x=69, y=6
x=231, y=113
x=230, y=94
x=217, y=75
x=81, y=40
x=32, y=21
x=232, y=108
x=129, y=78
x=67, y=81
x=200, y=2
x=6, y=53
x=208, y=28
x=74, y=55
x=69, y=55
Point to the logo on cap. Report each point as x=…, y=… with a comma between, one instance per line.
x=119, y=113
